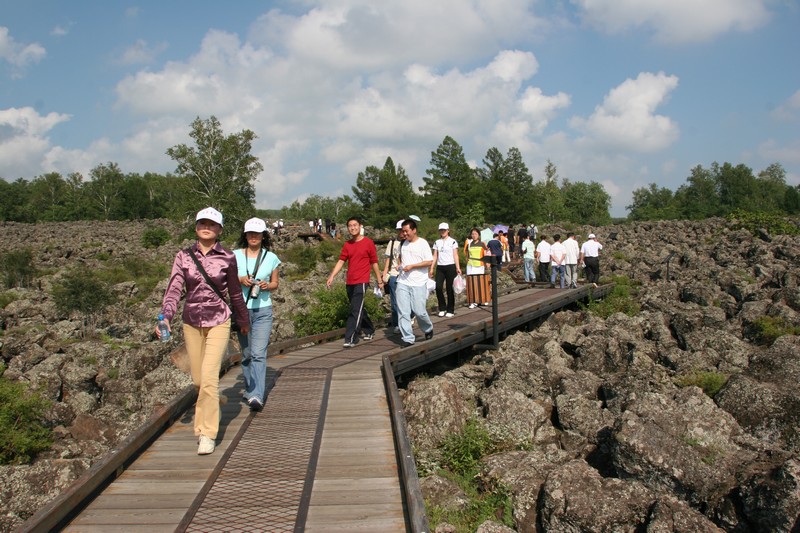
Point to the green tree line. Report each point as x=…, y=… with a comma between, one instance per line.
x=718, y=191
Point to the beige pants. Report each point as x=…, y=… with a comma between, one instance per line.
x=206, y=348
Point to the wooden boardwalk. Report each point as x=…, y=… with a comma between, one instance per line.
x=320, y=457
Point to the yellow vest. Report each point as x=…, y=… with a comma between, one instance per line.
x=475, y=255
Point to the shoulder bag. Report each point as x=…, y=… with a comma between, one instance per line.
x=234, y=324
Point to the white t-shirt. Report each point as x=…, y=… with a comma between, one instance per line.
x=572, y=251
x=557, y=253
x=591, y=248
x=527, y=249
x=412, y=253
x=544, y=251
x=444, y=247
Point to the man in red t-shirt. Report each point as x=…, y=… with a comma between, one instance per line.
x=359, y=253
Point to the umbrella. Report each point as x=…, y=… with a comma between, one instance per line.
x=486, y=235
x=499, y=227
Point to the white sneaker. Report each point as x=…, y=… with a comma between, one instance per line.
x=206, y=445
x=449, y=315
x=441, y=313
x=397, y=329
x=473, y=306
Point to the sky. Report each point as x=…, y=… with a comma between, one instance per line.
x=621, y=92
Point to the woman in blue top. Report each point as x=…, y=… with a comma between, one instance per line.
x=258, y=274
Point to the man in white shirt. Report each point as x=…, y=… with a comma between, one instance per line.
x=571, y=261
x=558, y=255
x=590, y=256
x=543, y=255
x=416, y=258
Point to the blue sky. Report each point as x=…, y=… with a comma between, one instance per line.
x=622, y=92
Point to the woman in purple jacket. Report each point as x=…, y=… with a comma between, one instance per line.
x=206, y=317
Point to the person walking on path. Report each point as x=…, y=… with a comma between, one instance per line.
x=571, y=260
x=590, y=256
x=206, y=317
x=360, y=255
x=528, y=251
x=558, y=255
x=496, y=248
x=478, y=285
x=543, y=255
x=412, y=292
x=446, y=264
x=257, y=267
x=501, y=236
x=392, y=255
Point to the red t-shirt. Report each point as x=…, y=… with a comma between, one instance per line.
x=360, y=255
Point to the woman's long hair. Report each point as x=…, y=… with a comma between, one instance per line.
x=266, y=240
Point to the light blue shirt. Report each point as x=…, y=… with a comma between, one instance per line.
x=245, y=266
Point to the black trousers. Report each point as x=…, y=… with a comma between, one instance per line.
x=357, y=321
x=445, y=274
x=592, y=269
x=544, y=271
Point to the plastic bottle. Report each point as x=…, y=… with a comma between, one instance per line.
x=163, y=328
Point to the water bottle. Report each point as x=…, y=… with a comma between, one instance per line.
x=163, y=329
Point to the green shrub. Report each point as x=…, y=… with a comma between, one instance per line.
x=768, y=328
x=621, y=299
x=754, y=221
x=6, y=298
x=23, y=433
x=462, y=451
x=329, y=311
x=146, y=274
x=17, y=267
x=155, y=236
x=710, y=382
x=82, y=292
x=305, y=257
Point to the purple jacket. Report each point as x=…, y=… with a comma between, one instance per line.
x=203, y=308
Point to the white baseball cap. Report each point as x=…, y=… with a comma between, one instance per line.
x=415, y=217
x=444, y=225
x=591, y=236
x=209, y=213
x=399, y=224
x=256, y=225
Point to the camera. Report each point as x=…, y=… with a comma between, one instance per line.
x=255, y=289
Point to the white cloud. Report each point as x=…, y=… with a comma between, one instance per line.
x=675, y=21
x=19, y=55
x=626, y=120
x=23, y=139
x=789, y=110
x=59, y=31
x=772, y=151
x=141, y=53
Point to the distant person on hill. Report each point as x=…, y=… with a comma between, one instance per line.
x=333, y=229
x=205, y=269
x=590, y=256
x=360, y=255
x=257, y=267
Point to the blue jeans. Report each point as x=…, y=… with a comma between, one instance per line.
x=558, y=269
x=393, y=299
x=530, y=273
x=254, y=352
x=412, y=299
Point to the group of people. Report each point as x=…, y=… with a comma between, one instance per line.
x=315, y=226
x=560, y=260
x=210, y=275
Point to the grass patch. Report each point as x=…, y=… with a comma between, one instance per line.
x=461, y=454
x=329, y=310
x=146, y=274
x=755, y=221
x=155, y=236
x=6, y=298
x=710, y=382
x=113, y=373
x=767, y=329
x=621, y=299
x=23, y=432
x=17, y=268
x=305, y=257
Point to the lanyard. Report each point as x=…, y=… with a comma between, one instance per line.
x=258, y=263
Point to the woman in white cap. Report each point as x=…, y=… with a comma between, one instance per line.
x=258, y=275
x=208, y=271
x=446, y=264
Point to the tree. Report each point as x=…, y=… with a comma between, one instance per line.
x=652, y=203
x=586, y=203
x=698, y=199
x=507, y=186
x=736, y=186
x=104, y=189
x=385, y=194
x=48, y=195
x=548, y=202
x=451, y=185
x=220, y=170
